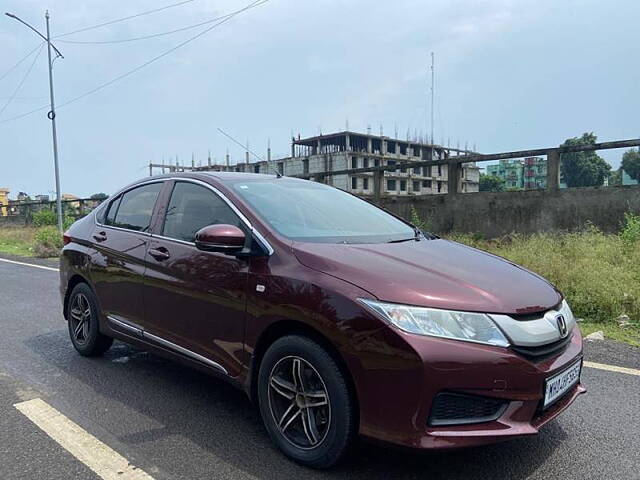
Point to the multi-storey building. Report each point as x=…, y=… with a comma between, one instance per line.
x=529, y=173
x=535, y=173
x=343, y=151
x=511, y=171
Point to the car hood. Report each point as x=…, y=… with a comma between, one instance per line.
x=433, y=273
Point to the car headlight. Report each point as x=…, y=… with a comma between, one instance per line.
x=466, y=326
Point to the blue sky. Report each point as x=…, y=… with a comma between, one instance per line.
x=509, y=75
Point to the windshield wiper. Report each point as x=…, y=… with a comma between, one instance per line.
x=415, y=239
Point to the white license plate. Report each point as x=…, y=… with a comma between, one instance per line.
x=559, y=384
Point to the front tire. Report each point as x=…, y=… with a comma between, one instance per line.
x=305, y=402
x=84, y=326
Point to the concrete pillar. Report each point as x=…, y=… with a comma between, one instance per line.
x=347, y=143
x=369, y=145
x=378, y=178
x=553, y=170
x=293, y=150
x=454, y=174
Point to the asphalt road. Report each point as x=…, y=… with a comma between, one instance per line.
x=176, y=423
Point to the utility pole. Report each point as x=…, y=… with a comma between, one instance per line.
x=52, y=113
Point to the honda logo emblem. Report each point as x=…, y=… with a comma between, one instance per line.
x=562, y=325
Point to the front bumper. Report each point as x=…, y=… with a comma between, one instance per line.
x=399, y=412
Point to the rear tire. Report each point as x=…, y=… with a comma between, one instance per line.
x=84, y=326
x=305, y=402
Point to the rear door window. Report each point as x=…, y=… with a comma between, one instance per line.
x=135, y=208
x=192, y=207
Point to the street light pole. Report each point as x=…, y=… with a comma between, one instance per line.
x=52, y=113
x=52, y=117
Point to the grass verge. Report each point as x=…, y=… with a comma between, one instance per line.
x=17, y=240
x=598, y=273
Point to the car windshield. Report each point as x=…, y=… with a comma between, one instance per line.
x=311, y=212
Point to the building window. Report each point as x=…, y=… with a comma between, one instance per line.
x=462, y=173
x=354, y=162
x=391, y=185
x=305, y=166
x=439, y=187
x=403, y=168
x=376, y=162
x=439, y=171
x=403, y=185
x=417, y=170
x=365, y=184
x=416, y=186
x=365, y=163
x=426, y=183
x=256, y=168
x=281, y=168
x=354, y=183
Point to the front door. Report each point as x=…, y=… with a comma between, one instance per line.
x=195, y=301
x=121, y=240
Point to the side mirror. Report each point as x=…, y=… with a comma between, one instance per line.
x=220, y=238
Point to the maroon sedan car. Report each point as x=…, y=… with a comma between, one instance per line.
x=337, y=318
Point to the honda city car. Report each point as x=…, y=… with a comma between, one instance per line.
x=338, y=319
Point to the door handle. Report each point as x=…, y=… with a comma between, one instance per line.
x=159, y=253
x=100, y=236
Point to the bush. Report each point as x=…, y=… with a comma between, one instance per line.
x=630, y=233
x=44, y=217
x=47, y=242
x=598, y=273
x=417, y=221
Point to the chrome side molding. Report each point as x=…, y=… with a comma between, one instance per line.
x=139, y=332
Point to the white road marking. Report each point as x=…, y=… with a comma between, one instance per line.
x=29, y=265
x=105, y=462
x=612, y=368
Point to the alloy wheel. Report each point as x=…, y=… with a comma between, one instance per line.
x=299, y=402
x=80, y=318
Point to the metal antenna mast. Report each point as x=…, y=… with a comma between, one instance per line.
x=432, y=88
x=52, y=113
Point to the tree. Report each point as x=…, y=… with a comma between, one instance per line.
x=491, y=183
x=631, y=163
x=583, y=169
x=99, y=196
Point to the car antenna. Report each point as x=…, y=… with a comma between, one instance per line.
x=278, y=174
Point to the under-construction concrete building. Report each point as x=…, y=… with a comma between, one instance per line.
x=315, y=157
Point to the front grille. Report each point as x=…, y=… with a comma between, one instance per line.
x=457, y=408
x=539, y=353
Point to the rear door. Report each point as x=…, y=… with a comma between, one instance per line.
x=195, y=300
x=121, y=239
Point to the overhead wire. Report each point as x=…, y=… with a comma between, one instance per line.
x=253, y=4
x=21, y=83
x=20, y=61
x=111, y=22
x=153, y=35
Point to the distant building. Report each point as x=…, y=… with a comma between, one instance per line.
x=511, y=171
x=627, y=180
x=535, y=173
x=529, y=173
x=4, y=201
x=42, y=198
x=349, y=150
